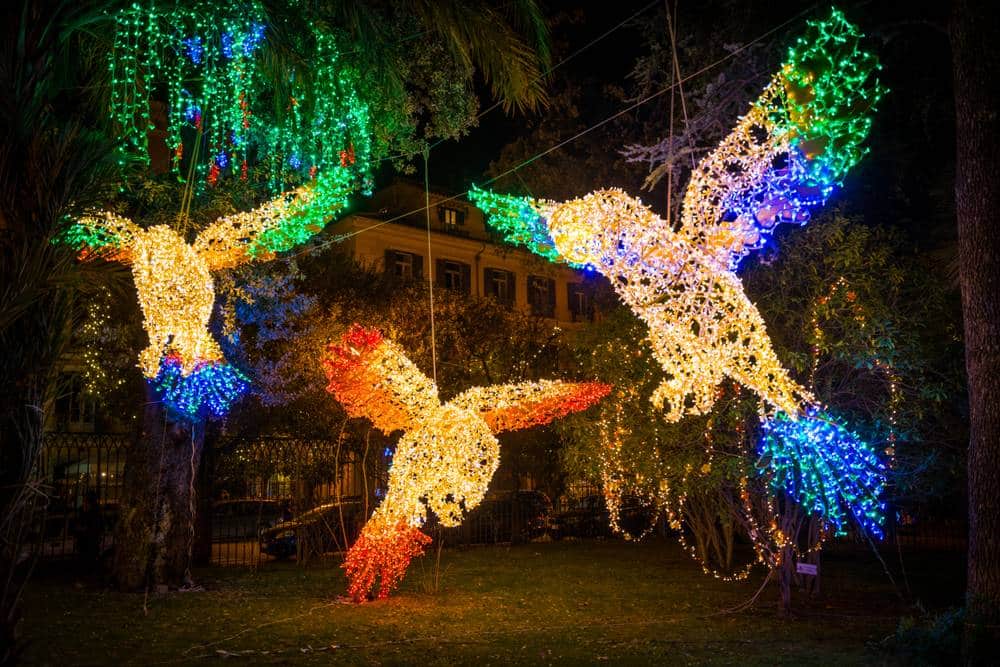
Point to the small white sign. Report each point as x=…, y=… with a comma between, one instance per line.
x=806, y=568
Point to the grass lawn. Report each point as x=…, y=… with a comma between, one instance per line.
x=542, y=603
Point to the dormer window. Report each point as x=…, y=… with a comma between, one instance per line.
x=451, y=218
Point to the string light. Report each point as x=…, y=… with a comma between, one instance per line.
x=885, y=366
x=175, y=287
x=447, y=454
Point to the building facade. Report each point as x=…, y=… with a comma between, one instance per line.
x=464, y=255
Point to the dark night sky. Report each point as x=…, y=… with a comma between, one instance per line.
x=456, y=164
x=906, y=178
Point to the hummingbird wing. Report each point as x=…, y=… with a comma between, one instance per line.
x=511, y=407
x=372, y=377
x=792, y=148
x=105, y=235
x=278, y=225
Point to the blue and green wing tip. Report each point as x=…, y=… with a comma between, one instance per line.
x=518, y=221
x=329, y=198
x=825, y=467
x=208, y=391
x=831, y=94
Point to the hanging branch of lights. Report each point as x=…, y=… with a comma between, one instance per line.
x=783, y=158
x=448, y=452
x=205, y=57
x=176, y=291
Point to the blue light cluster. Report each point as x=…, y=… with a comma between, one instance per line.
x=829, y=470
x=192, y=113
x=784, y=195
x=253, y=38
x=195, y=50
x=208, y=391
x=227, y=45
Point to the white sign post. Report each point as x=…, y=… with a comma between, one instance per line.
x=806, y=568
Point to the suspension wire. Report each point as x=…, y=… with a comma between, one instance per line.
x=670, y=136
x=430, y=261
x=183, y=216
x=680, y=81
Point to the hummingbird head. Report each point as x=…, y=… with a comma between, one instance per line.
x=599, y=228
x=353, y=347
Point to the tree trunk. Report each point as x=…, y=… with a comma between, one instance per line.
x=157, y=528
x=975, y=41
x=786, y=574
x=201, y=553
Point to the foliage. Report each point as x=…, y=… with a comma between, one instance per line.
x=713, y=104
x=931, y=640
x=53, y=164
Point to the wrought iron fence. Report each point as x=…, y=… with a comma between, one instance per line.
x=82, y=474
x=282, y=498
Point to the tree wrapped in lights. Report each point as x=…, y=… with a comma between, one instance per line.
x=447, y=455
x=176, y=292
x=784, y=157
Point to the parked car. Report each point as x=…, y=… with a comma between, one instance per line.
x=517, y=516
x=588, y=516
x=314, y=532
x=243, y=519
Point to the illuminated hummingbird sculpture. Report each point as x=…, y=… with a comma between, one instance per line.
x=447, y=454
x=783, y=158
x=176, y=291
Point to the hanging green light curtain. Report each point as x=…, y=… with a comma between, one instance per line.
x=226, y=116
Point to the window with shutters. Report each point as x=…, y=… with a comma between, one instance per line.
x=403, y=265
x=542, y=296
x=454, y=275
x=580, y=307
x=451, y=219
x=500, y=285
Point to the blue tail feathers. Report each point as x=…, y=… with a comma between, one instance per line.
x=209, y=390
x=825, y=467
